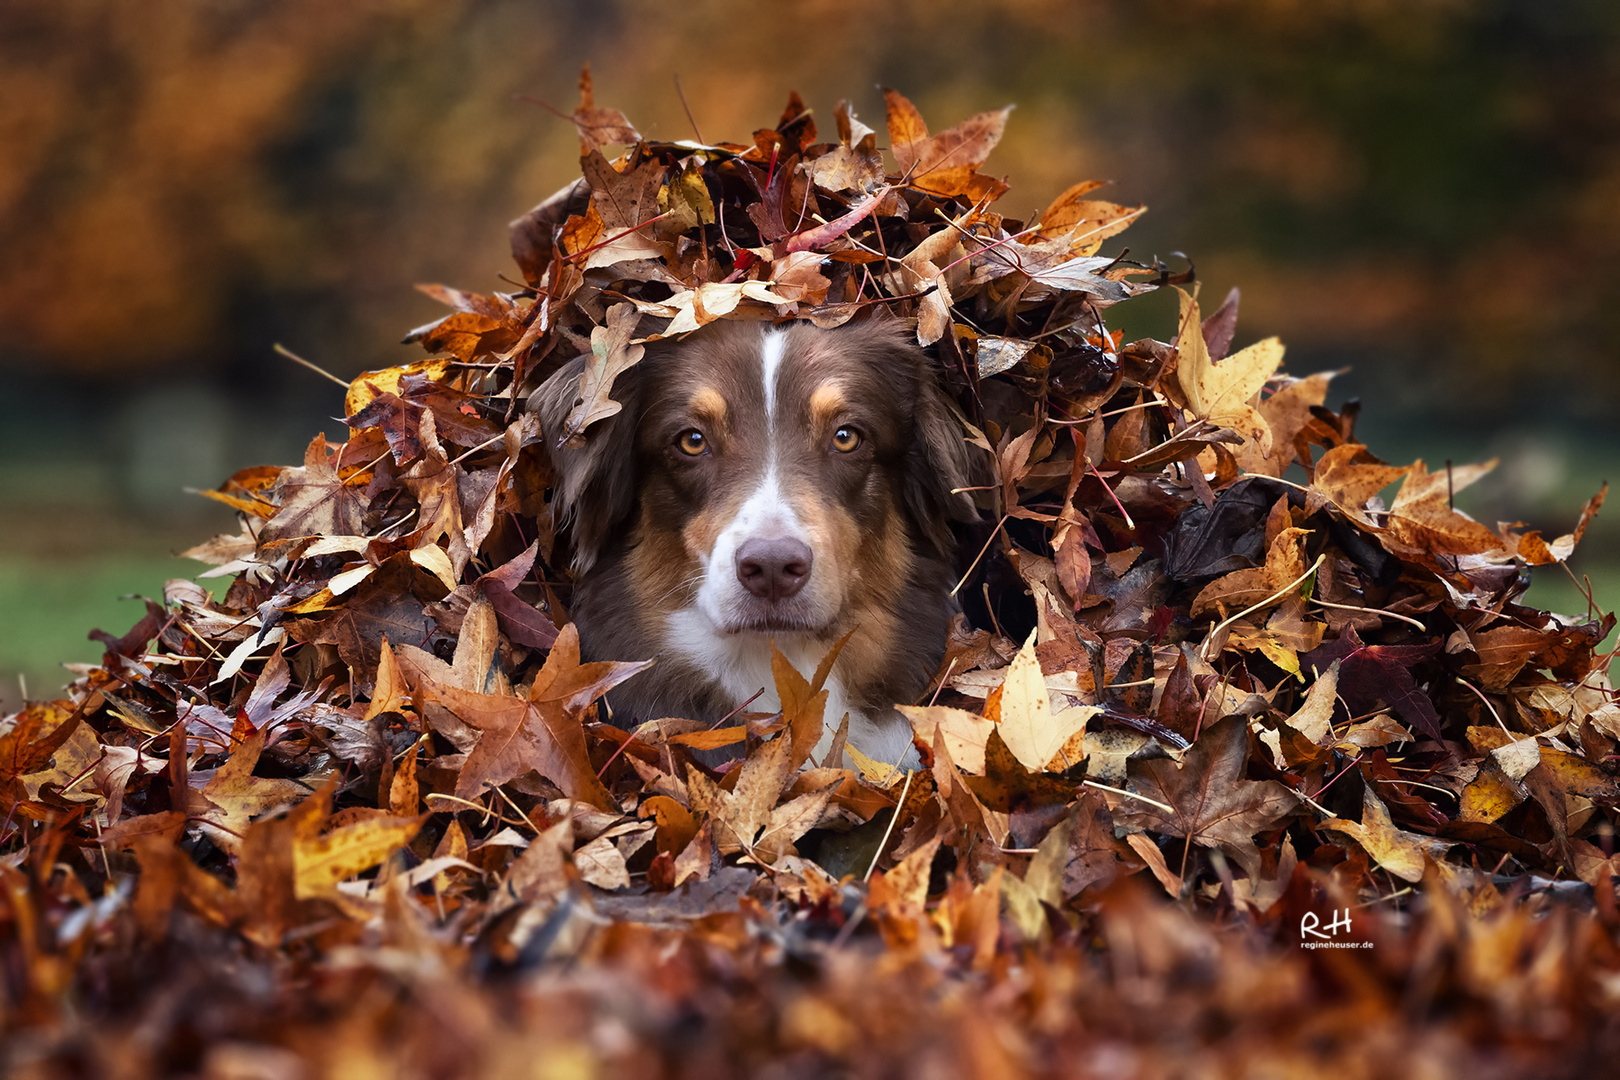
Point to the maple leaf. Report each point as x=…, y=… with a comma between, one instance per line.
x=315, y=501
x=1286, y=412
x=599, y=127
x=30, y=738
x=1402, y=853
x=1314, y=717
x=1369, y=674
x=383, y=607
x=1085, y=223
x=1213, y=805
x=1029, y=728
x=1223, y=393
x=1348, y=477
x=1285, y=563
x=622, y=199
x=964, y=733
x=1422, y=518
x=320, y=862
x=1049, y=265
x=947, y=163
x=542, y=731
x=853, y=165
x=369, y=385
x=804, y=701
x=233, y=796
x=1286, y=634
x=739, y=815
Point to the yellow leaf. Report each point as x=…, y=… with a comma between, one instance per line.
x=1400, y=852
x=965, y=734
x=435, y=561
x=1223, y=393
x=880, y=773
x=1028, y=727
x=321, y=862
x=369, y=384
x=1314, y=720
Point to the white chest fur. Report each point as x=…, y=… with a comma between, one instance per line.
x=741, y=664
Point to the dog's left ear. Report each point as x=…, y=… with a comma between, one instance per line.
x=937, y=463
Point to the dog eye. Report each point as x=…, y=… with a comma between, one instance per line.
x=846, y=439
x=692, y=442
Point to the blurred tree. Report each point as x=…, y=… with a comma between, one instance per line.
x=1428, y=190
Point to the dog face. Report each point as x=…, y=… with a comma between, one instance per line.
x=790, y=484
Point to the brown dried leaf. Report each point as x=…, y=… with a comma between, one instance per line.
x=1214, y=806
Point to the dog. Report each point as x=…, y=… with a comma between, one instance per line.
x=760, y=484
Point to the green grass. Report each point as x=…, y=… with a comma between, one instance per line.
x=49, y=606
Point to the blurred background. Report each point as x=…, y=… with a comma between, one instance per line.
x=1424, y=191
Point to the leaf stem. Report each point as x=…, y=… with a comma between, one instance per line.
x=899, y=806
x=1376, y=611
x=974, y=564
x=1252, y=608
x=1494, y=714
x=295, y=358
x=1129, y=795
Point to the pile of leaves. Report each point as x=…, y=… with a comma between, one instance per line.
x=1213, y=702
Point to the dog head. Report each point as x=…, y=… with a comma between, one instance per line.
x=769, y=478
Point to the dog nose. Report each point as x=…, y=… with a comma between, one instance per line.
x=774, y=569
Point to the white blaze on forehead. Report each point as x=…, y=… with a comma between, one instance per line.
x=770, y=367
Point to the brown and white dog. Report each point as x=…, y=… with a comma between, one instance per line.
x=788, y=484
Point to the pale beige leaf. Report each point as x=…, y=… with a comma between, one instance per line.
x=1314, y=719
x=1028, y=727
x=965, y=733
x=601, y=864
x=1517, y=758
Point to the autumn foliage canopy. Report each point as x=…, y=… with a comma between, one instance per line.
x=1224, y=679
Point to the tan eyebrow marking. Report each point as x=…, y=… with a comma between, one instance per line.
x=708, y=403
x=825, y=404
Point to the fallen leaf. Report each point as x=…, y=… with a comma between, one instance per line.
x=1213, y=805
x=1402, y=853
x=1223, y=393
x=1028, y=726
x=611, y=355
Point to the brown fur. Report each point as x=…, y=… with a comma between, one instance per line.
x=644, y=518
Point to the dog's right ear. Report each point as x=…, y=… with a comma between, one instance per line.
x=595, y=490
